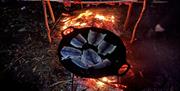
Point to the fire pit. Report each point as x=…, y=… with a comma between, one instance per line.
x=90, y=46
x=92, y=49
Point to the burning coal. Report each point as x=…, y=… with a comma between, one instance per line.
x=102, y=84
x=100, y=18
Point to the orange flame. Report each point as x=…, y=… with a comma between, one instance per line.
x=88, y=18
x=104, y=83
x=106, y=80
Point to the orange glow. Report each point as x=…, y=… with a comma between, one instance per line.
x=89, y=18
x=100, y=84
x=100, y=17
x=109, y=79
x=105, y=18
x=123, y=69
x=87, y=13
x=103, y=84
x=67, y=31
x=105, y=79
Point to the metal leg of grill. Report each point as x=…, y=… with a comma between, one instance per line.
x=138, y=21
x=128, y=16
x=46, y=21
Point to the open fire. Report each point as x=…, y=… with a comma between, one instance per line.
x=91, y=18
x=109, y=83
x=101, y=18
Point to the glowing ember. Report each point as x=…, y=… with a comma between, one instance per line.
x=102, y=84
x=69, y=30
x=90, y=18
x=107, y=80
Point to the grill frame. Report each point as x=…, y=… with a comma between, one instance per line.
x=129, y=3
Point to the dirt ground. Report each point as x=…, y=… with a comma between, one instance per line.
x=29, y=63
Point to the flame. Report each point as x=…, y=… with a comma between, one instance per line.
x=103, y=18
x=85, y=14
x=103, y=84
x=100, y=17
x=74, y=21
x=89, y=18
x=104, y=79
x=100, y=84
